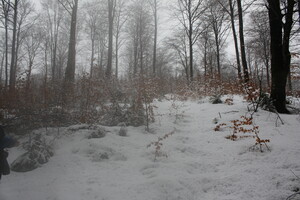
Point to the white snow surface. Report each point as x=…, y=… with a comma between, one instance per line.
x=200, y=164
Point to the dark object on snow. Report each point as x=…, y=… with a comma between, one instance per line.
x=5, y=142
x=215, y=99
x=4, y=166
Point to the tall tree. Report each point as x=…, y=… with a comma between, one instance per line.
x=280, y=55
x=231, y=13
x=111, y=15
x=92, y=23
x=120, y=20
x=242, y=41
x=71, y=7
x=13, y=67
x=154, y=6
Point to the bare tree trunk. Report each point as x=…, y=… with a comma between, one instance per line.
x=70, y=70
x=237, y=54
x=280, y=59
x=13, y=67
x=111, y=5
x=191, y=61
x=6, y=53
x=242, y=42
x=2, y=65
x=155, y=37
x=286, y=40
x=117, y=55
x=92, y=57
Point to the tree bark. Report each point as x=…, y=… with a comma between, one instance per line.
x=155, y=37
x=110, y=37
x=70, y=70
x=280, y=56
x=236, y=46
x=242, y=42
x=13, y=67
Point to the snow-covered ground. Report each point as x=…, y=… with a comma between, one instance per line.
x=199, y=163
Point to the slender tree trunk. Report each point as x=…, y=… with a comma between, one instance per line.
x=6, y=53
x=92, y=57
x=155, y=37
x=205, y=59
x=110, y=37
x=217, y=52
x=117, y=55
x=191, y=54
x=2, y=64
x=13, y=67
x=237, y=54
x=242, y=42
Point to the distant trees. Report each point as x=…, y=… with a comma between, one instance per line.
x=259, y=42
x=188, y=14
x=121, y=40
x=218, y=23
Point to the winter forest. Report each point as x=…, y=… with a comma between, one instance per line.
x=150, y=99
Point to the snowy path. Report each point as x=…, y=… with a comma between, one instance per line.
x=201, y=163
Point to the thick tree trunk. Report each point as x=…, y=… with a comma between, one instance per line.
x=70, y=70
x=278, y=69
x=242, y=42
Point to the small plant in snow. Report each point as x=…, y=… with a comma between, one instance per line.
x=158, y=145
x=244, y=125
x=176, y=108
x=123, y=130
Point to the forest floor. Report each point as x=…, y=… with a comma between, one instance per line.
x=194, y=163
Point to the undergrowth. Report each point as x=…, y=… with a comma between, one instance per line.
x=158, y=144
x=244, y=127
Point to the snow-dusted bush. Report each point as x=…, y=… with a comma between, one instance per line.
x=98, y=133
x=39, y=153
x=123, y=130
